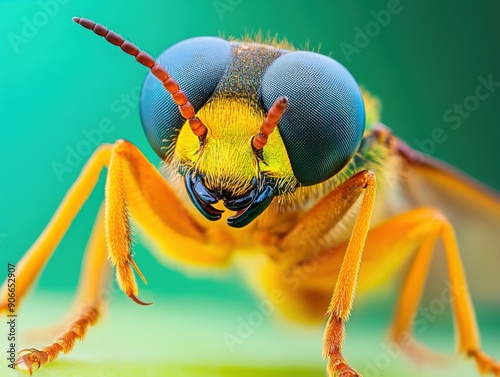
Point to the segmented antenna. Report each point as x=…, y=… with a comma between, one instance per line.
x=273, y=116
x=185, y=107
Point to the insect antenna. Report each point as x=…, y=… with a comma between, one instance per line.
x=185, y=107
x=259, y=141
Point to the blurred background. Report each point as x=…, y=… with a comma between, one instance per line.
x=58, y=83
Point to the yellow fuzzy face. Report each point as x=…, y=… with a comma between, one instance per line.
x=226, y=158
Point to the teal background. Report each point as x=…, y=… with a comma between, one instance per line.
x=64, y=81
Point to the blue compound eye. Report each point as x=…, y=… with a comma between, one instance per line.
x=323, y=124
x=197, y=65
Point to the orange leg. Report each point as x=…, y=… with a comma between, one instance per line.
x=424, y=225
x=315, y=224
x=134, y=185
x=388, y=246
x=407, y=237
x=88, y=304
x=94, y=277
x=345, y=288
x=151, y=187
x=33, y=262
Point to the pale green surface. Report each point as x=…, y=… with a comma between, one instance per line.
x=124, y=369
x=173, y=339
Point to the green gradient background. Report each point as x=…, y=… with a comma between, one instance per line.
x=64, y=81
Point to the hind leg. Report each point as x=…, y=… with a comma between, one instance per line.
x=87, y=306
x=427, y=224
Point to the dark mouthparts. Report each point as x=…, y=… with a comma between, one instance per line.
x=247, y=206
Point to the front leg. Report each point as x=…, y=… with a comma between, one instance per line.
x=132, y=184
x=317, y=222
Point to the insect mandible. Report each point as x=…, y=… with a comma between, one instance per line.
x=265, y=151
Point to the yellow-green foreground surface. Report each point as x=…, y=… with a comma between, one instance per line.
x=115, y=369
x=204, y=337
x=68, y=367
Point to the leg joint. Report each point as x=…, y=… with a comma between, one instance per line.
x=122, y=146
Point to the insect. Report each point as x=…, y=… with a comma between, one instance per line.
x=268, y=151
